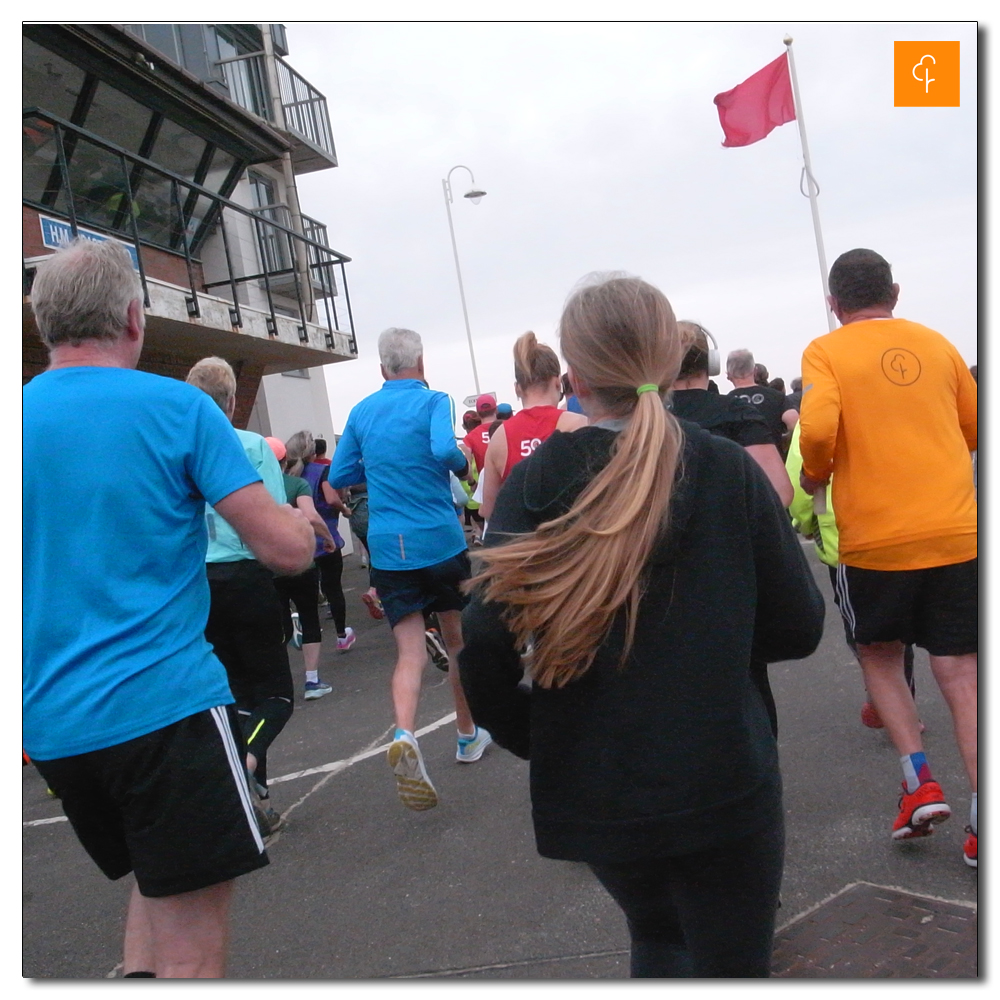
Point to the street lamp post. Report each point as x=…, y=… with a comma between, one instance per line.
x=475, y=195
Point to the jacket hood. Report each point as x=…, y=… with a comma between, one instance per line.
x=560, y=469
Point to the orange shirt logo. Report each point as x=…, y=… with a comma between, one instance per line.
x=926, y=75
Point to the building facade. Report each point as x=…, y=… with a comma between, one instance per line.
x=184, y=141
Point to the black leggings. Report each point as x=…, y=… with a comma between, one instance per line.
x=331, y=568
x=303, y=591
x=708, y=915
x=244, y=627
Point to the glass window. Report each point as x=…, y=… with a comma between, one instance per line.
x=48, y=81
x=161, y=36
x=177, y=150
x=38, y=153
x=98, y=185
x=114, y=116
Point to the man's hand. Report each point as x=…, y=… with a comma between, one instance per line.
x=809, y=485
x=329, y=545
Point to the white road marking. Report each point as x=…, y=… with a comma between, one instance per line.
x=327, y=770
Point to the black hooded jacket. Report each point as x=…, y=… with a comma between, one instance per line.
x=674, y=753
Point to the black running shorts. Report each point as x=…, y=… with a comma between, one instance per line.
x=432, y=588
x=936, y=608
x=173, y=806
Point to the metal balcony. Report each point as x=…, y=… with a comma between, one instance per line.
x=305, y=118
x=161, y=215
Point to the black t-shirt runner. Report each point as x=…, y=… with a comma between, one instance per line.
x=723, y=415
x=770, y=403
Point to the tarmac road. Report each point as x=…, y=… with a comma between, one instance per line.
x=361, y=888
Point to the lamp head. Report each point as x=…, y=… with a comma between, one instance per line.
x=475, y=196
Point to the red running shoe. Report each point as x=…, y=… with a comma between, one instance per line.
x=870, y=716
x=919, y=810
x=374, y=606
x=970, y=852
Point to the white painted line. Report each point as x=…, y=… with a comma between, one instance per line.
x=341, y=765
x=333, y=768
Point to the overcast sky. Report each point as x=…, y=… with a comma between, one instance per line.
x=600, y=149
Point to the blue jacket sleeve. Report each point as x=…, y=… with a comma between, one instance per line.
x=346, y=468
x=443, y=445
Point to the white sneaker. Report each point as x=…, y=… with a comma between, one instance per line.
x=412, y=784
x=471, y=748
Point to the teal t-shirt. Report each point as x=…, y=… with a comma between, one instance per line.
x=224, y=545
x=115, y=593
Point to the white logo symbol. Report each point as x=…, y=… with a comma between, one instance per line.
x=926, y=79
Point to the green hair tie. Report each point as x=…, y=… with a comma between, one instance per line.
x=648, y=387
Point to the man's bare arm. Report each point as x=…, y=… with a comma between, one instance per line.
x=767, y=457
x=280, y=537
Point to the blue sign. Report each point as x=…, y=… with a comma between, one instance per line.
x=57, y=232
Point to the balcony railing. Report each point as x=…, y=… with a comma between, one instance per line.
x=304, y=107
x=59, y=178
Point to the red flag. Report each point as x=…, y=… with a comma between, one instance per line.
x=760, y=103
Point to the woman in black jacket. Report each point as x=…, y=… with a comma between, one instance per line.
x=645, y=561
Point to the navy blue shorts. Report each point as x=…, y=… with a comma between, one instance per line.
x=431, y=588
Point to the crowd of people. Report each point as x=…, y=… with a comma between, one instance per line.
x=633, y=569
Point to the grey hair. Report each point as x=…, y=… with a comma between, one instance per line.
x=83, y=291
x=739, y=364
x=216, y=377
x=399, y=349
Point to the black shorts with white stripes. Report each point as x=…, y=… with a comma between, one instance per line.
x=935, y=608
x=173, y=806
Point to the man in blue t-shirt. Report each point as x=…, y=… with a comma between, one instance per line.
x=127, y=713
x=401, y=440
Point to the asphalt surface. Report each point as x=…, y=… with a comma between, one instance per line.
x=361, y=888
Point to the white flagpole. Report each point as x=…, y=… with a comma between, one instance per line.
x=813, y=187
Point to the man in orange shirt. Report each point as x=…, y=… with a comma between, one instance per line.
x=890, y=408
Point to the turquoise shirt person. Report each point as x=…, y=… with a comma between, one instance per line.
x=224, y=545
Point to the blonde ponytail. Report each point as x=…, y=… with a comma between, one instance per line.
x=564, y=583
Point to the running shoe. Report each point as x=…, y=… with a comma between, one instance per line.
x=345, y=641
x=275, y=820
x=919, y=810
x=412, y=784
x=870, y=716
x=374, y=606
x=436, y=649
x=970, y=852
x=255, y=786
x=316, y=689
x=296, y=639
x=471, y=748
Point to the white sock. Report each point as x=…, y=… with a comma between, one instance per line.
x=312, y=676
x=974, y=816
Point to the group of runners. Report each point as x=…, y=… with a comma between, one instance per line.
x=638, y=572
